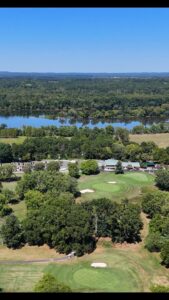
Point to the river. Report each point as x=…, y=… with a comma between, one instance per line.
x=38, y=121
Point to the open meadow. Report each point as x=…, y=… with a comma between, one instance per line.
x=160, y=139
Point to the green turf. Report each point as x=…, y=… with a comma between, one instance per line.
x=127, y=185
x=20, y=278
x=127, y=271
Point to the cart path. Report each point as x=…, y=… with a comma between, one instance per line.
x=15, y=262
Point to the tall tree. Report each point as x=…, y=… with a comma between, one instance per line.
x=73, y=170
x=12, y=232
x=119, y=168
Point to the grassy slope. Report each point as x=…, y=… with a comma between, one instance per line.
x=161, y=139
x=127, y=185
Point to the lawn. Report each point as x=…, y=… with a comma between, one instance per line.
x=18, y=140
x=126, y=185
x=161, y=139
x=127, y=270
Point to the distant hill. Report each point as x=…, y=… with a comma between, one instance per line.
x=6, y=74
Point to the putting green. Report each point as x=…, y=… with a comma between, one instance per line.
x=126, y=185
x=105, y=279
x=108, y=187
x=137, y=176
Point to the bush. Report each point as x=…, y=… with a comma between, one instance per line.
x=159, y=289
x=53, y=166
x=162, y=179
x=153, y=242
x=49, y=284
x=165, y=253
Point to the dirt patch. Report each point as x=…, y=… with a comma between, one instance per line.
x=126, y=246
x=86, y=191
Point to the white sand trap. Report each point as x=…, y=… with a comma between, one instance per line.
x=86, y=191
x=112, y=182
x=98, y=265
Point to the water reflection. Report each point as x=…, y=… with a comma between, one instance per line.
x=48, y=120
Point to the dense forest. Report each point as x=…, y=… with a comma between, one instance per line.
x=86, y=97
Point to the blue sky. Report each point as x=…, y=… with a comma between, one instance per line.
x=84, y=39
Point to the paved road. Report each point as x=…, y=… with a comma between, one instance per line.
x=15, y=262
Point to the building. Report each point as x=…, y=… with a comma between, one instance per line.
x=110, y=165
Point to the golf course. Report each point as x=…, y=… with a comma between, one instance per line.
x=114, y=187
x=128, y=267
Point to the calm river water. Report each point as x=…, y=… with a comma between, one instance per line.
x=20, y=121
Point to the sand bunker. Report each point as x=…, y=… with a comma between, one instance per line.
x=86, y=191
x=112, y=182
x=99, y=265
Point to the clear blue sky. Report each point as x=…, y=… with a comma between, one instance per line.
x=84, y=39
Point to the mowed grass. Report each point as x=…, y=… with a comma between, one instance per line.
x=20, y=278
x=127, y=271
x=18, y=140
x=130, y=268
x=126, y=185
x=160, y=139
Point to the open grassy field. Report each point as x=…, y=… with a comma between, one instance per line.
x=161, y=139
x=126, y=185
x=18, y=140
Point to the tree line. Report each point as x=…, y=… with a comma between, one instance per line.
x=156, y=205
x=86, y=97
x=85, y=143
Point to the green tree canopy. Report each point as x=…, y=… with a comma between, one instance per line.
x=53, y=166
x=73, y=170
x=162, y=179
x=119, y=168
x=89, y=167
x=12, y=232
